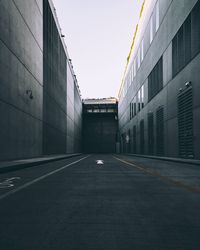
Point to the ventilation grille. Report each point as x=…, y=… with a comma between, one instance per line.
x=142, y=136
x=160, y=131
x=150, y=134
x=129, y=142
x=134, y=139
x=185, y=124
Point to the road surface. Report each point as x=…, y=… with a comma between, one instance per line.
x=119, y=202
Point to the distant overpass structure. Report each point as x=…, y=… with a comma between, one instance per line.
x=100, y=125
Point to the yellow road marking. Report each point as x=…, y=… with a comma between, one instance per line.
x=164, y=178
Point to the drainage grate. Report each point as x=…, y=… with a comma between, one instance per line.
x=185, y=123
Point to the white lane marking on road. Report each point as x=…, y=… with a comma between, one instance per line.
x=8, y=182
x=99, y=162
x=39, y=179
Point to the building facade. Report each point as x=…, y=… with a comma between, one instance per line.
x=100, y=125
x=159, y=104
x=37, y=83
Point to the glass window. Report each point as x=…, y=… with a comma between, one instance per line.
x=128, y=81
x=142, y=50
x=195, y=29
x=111, y=110
x=157, y=15
x=125, y=87
x=135, y=111
x=155, y=80
x=151, y=29
x=132, y=72
x=138, y=58
x=134, y=66
x=181, y=46
x=132, y=109
x=129, y=78
x=142, y=95
x=139, y=100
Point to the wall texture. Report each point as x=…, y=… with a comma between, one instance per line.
x=21, y=74
x=100, y=125
x=99, y=133
x=77, y=120
x=55, y=84
x=169, y=127
x=40, y=104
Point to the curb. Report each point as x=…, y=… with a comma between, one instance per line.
x=17, y=166
x=180, y=160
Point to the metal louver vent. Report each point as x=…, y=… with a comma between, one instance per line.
x=129, y=141
x=150, y=134
x=142, y=136
x=160, y=131
x=185, y=123
x=134, y=139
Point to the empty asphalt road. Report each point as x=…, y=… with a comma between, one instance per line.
x=120, y=203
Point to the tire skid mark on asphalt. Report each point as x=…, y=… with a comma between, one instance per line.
x=164, y=178
x=40, y=178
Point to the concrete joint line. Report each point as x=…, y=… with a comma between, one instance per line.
x=39, y=179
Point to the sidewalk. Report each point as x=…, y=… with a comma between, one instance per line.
x=7, y=166
x=181, y=160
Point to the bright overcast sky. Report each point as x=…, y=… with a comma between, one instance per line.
x=98, y=36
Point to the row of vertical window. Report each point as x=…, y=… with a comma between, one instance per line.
x=138, y=103
x=155, y=137
x=155, y=84
x=155, y=79
x=185, y=46
x=156, y=133
x=140, y=53
x=186, y=43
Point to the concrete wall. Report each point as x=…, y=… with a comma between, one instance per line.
x=55, y=81
x=74, y=113
x=70, y=109
x=172, y=15
x=99, y=133
x=39, y=103
x=77, y=120
x=21, y=69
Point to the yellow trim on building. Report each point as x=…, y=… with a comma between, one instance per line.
x=131, y=49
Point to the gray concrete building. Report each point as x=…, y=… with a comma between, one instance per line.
x=100, y=125
x=40, y=104
x=74, y=112
x=159, y=104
